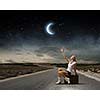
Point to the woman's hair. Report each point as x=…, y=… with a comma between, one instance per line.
x=74, y=57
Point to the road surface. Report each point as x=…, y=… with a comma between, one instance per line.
x=46, y=81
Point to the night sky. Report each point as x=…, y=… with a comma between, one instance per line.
x=23, y=36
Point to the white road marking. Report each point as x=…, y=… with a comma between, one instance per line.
x=89, y=76
x=21, y=76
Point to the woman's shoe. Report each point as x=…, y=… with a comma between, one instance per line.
x=58, y=82
x=66, y=79
x=65, y=82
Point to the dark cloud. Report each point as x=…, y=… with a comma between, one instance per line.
x=10, y=61
x=39, y=55
x=18, y=53
x=49, y=50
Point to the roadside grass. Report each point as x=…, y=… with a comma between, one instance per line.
x=13, y=70
x=84, y=67
x=89, y=67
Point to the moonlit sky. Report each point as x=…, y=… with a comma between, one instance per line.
x=23, y=37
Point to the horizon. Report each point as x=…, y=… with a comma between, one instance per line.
x=47, y=63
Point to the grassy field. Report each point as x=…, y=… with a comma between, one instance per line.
x=16, y=69
x=13, y=70
x=89, y=67
x=84, y=67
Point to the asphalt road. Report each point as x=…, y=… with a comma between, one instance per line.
x=46, y=81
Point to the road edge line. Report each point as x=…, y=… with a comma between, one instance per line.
x=89, y=76
x=21, y=76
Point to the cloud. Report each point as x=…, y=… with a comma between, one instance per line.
x=52, y=51
x=39, y=55
x=87, y=61
x=85, y=47
x=49, y=50
x=10, y=61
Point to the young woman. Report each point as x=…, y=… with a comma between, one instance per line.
x=71, y=69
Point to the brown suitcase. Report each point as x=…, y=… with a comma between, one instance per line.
x=74, y=79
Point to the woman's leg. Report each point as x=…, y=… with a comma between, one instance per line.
x=67, y=77
x=61, y=73
x=59, y=76
x=65, y=74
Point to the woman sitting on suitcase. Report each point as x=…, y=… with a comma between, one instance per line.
x=66, y=73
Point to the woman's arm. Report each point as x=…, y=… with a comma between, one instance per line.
x=66, y=59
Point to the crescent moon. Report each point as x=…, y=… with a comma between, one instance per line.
x=48, y=29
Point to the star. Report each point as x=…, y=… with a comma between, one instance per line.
x=21, y=29
x=61, y=24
